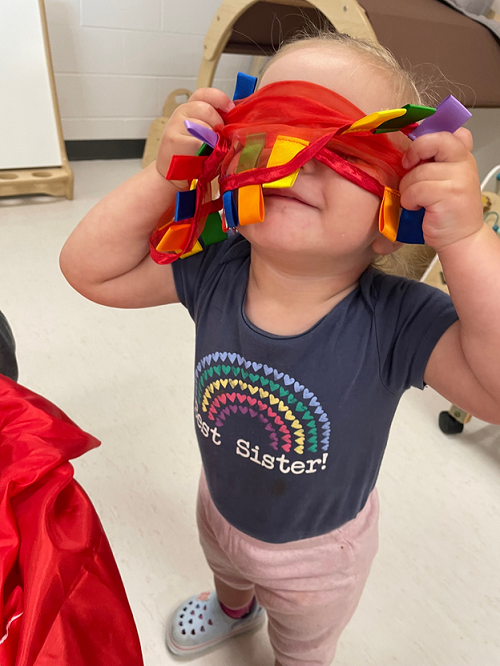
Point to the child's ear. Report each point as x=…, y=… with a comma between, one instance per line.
x=382, y=245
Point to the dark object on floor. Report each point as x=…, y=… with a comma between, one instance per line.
x=449, y=425
x=8, y=363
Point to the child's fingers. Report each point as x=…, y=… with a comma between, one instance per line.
x=439, y=146
x=202, y=108
x=460, y=176
x=214, y=97
x=200, y=112
x=176, y=139
x=428, y=171
x=451, y=213
x=457, y=193
x=426, y=194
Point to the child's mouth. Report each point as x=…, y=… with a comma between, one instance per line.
x=287, y=196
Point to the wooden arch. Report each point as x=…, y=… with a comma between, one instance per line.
x=237, y=25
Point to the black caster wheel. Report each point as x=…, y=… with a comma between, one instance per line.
x=449, y=425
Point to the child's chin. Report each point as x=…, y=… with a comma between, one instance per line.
x=295, y=223
x=281, y=236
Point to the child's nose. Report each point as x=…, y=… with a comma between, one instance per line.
x=308, y=167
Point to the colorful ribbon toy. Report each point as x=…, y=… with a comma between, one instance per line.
x=263, y=143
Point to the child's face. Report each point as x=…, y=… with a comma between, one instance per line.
x=324, y=214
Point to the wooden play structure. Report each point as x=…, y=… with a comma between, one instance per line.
x=416, y=31
x=33, y=159
x=233, y=30
x=246, y=27
x=178, y=96
x=453, y=46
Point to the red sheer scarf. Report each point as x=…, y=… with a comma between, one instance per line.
x=309, y=111
x=287, y=109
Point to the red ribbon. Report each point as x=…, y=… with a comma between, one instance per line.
x=296, y=109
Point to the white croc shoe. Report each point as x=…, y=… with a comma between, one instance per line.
x=199, y=624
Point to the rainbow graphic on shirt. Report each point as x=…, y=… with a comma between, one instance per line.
x=292, y=417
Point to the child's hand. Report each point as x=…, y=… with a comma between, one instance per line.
x=443, y=180
x=202, y=108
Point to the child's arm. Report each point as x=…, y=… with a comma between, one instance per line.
x=106, y=258
x=465, y=364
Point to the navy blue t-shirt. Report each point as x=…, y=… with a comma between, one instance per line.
x=292, y=429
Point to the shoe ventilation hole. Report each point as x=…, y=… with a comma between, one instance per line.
x=204, y=608
x=184, y=632
x=210, y=622
x=180, y=624
x=200, y=616
x=181, y=616
x=197, y=605
x=185, y=609
x=202, y=629
x=191, y=621
x=193, y=632
x=192, y=613
x=190, y=603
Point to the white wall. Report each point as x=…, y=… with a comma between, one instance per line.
x=115, y=61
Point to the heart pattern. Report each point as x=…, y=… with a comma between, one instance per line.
x=228, y=385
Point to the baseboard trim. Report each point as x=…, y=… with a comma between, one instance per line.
x=105, y=149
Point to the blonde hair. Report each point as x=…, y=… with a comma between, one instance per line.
x=408, y=87
x=409, y=261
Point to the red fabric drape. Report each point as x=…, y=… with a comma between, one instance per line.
x=62, y=600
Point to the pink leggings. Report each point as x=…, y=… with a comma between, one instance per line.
x=309, y=588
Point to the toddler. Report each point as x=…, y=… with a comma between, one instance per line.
x=303, y=351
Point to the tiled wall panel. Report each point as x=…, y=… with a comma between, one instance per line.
x=116, y=61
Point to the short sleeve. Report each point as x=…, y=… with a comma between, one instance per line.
x=410, y=318
x=192, y=273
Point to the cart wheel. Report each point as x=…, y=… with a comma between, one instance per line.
x=449, y=425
